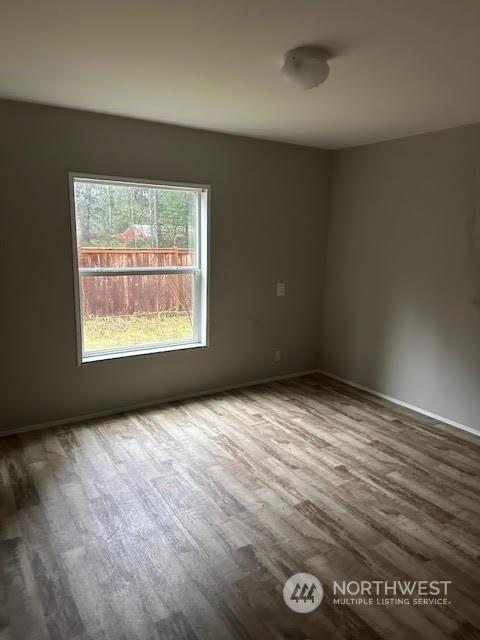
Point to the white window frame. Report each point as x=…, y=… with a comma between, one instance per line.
x=199, y=271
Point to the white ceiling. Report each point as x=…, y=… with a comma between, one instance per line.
x=400, y=66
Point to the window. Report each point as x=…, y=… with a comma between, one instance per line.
x=141, y=265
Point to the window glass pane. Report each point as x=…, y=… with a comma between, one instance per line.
x=129, y=311
x=130, y=225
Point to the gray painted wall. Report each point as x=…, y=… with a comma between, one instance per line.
x=268, y=211
x=399, y=309
x=401, y=303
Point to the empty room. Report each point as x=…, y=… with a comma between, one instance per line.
x=240, y=312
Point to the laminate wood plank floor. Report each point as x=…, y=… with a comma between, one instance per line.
x=184, y=521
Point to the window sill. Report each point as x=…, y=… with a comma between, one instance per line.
x=105, y=355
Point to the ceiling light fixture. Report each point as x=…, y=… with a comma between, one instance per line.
x=307, y=67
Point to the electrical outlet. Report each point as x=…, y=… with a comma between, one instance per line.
x=280, y=289
x=277, y=355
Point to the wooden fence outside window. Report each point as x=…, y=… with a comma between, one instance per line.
x=126, y=295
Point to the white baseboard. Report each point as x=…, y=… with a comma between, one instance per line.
x=407, y=405
x=206, y=392
x=152, y=403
